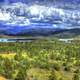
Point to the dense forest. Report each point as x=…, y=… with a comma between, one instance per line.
x=45, y=59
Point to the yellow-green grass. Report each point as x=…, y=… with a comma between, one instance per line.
x=2, y=78
x=43, y=74
x=8, y=55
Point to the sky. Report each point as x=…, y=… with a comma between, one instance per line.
x=41, y=0
x=62, y=19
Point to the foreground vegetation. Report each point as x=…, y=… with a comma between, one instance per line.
x=40, y=60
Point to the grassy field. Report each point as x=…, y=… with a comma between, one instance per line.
x=45, y=59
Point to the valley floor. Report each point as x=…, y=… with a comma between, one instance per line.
x=44, y=59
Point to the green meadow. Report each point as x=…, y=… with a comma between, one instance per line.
x=45, y=59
